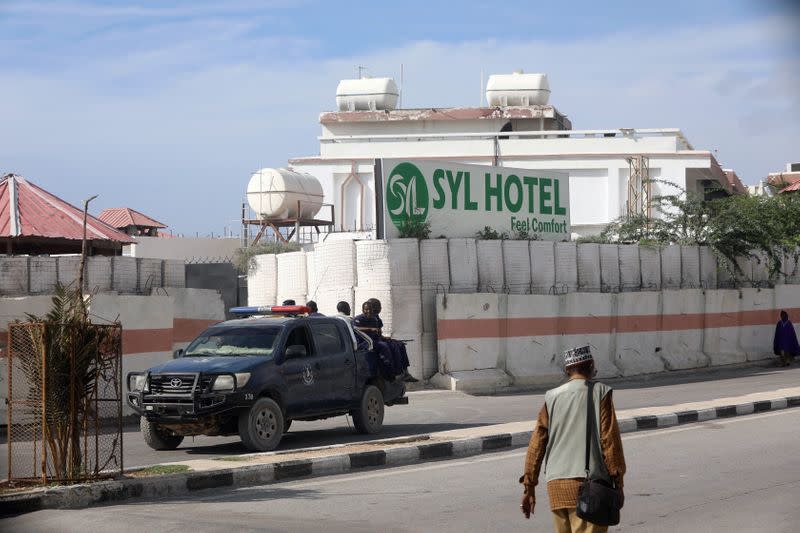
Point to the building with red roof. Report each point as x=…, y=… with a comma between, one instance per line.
x=34, y=221
x=131, y=222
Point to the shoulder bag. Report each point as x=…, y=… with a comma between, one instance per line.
x=598, y=501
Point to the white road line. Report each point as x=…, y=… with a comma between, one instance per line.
x=500, y=456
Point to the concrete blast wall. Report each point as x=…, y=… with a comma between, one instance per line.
x=408, y=275
x=486, y=341
x=152, y=326
x=20, y=276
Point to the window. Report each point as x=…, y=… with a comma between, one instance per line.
x=238, y=341
x=299, y=336
x=327, y=338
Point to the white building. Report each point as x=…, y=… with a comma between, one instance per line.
x=535, y=136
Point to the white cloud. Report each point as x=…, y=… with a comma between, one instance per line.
x=174, y=127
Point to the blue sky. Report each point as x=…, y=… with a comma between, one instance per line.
x=167, y=106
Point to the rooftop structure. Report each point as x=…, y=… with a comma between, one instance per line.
x=785, y=181
x=34, y=221
x=131, y=222
x=600, y=163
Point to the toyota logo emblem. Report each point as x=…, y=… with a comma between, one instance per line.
x=175, y=383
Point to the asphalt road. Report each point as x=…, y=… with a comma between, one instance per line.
x=732, y=475
x=436, y=410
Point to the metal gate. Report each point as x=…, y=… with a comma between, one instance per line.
x=64, y=402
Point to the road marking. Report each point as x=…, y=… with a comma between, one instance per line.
x=500, y=456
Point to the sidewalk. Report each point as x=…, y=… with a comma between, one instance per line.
x=271, y=467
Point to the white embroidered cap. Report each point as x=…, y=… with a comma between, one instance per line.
x=577, y=355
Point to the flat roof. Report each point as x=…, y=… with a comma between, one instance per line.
x=452, y=113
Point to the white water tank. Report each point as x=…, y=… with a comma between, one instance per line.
x=274, y=193
x=517, y=89
x=367, y=94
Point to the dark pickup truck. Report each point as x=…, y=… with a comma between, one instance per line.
x=253, y=376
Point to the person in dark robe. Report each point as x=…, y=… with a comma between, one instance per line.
x=784, y=344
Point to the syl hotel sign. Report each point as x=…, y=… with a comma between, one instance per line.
x=459, y=200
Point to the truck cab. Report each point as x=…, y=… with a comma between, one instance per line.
x=254, y=376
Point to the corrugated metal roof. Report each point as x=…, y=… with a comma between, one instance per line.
x=122, y=217
x=27, y=210
x=791, y=188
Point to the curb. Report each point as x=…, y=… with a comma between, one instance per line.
x=104, y=492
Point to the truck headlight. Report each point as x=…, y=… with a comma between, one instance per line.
x=136, y=382
x=223, y=383
x=241, y=379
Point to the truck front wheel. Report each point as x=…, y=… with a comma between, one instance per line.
x=261, y=427
x=158, y=438
x=368, y=418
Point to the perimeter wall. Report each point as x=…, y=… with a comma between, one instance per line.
x=645, y=289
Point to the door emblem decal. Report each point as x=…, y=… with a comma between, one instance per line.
x=308, y=375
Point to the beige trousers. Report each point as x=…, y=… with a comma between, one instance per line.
x=567, y=521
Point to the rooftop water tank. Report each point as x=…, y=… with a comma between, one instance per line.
x=274, y=193
x=517, y=89
x=367, y=94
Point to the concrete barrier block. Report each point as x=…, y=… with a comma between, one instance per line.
x=585, y=318
x=149, y=273
x=610, y=280
x=566, y=267
x=630, y=273
x=98, y=274
x=690, y=267
x=311, y=276
x=435, y=264
x=402, y=308
x=490, y=266
x=589, y=267
x=174, y=273
x=792, y=269
x=721, y=338
x=13, y=275
x=68, y=268
x=533, y=352
x=43, y=274
x=543, y=269
x=671, y=267
x=458, y=350
x=125, y=276
x=650, y=266
x=681, y=342
x=708, y=268
x=292, y=274
x=335, y=264
x=327, y=300
x=463, y=259
x=756, y=340
x=637, y=339
x=430, y=355
x=517, y=266
x=262, y=281
x=429, y=308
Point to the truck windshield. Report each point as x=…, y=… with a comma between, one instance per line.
x=239, y=341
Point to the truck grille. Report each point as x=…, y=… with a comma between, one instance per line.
x=172, y=384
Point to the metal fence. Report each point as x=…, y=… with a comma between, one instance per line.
x=64, y=402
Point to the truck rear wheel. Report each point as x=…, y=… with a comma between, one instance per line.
x=368, y=418
x=261, y=427
x=157, y=437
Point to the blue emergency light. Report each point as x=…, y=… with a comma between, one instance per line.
x=271, y=310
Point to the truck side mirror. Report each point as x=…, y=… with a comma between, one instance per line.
x=177, y=353
x=295, y=351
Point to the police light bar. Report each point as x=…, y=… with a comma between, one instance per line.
x=271, y=310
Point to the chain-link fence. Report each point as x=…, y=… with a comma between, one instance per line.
x=64, y=402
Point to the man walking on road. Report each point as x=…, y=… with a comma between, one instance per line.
x=785, y=343
x=559, y=442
